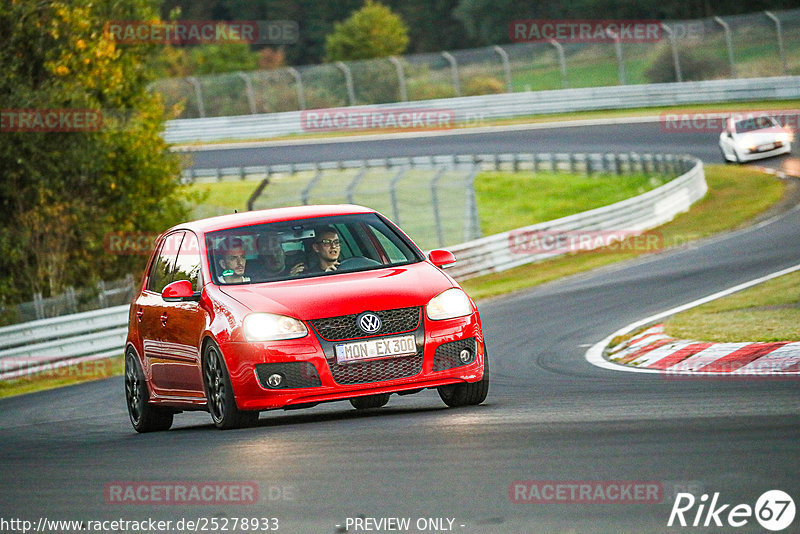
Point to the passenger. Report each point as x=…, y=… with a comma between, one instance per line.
x=271, y=263
x=233, y=262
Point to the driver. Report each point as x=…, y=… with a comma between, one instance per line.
x=326, y=249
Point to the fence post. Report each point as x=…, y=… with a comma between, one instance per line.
x=393, y=193
x=351, y=187
x=562, y=61
x=472, y=228
x=620, y=60
x=437, y=217
x=198, y=94
x=306, y=193
x=248, y=90
x=298, y=82
x=506, y=67
x=779, y=31
x=257, y=193
x=348, y=81
x=401, y=77
x=728, y=42
x=674, y=46
x=101, y=293
x=453, y=71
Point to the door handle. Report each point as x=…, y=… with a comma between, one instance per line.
x=163, y=319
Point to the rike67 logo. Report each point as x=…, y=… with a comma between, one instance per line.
x=774, y=510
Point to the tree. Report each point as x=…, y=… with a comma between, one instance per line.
x=63, y=192
x=371, y=32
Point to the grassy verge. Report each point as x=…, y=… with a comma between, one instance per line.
x=736, y=195
x=538, y=119
x=766, y=312
x=63, y=376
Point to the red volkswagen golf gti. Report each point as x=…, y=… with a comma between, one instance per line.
x=290, y=307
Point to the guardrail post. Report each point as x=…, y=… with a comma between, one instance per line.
x=401, y=77
x=506, y=67
x=572, y=163
x=298, y=82
x=779, y=31
x=348, y=81
x=242, y=174
x=674, y=46
x=728, y=42
x=38, y=305
x=198, y=94
x=248, y=90
x=562, y=61
x=453, y=71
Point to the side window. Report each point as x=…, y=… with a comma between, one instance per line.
x=187, y=266
x=394, y=253
x=163, y=269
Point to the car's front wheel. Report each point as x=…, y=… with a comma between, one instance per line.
x=370, y=401
x=144, y=416
x=468, y=393
x=219, y=392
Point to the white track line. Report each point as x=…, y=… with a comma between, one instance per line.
x=595, y=353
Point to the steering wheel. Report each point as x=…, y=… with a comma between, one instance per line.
x=357, y=262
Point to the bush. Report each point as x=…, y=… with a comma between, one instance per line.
x=483, y=85
x=662, y=70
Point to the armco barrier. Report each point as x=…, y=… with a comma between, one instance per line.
x=29, y=347
x=474, y=109
x=494, y=253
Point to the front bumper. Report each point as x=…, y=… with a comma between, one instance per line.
x=309, y=362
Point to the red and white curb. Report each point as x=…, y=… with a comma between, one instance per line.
x=652, y=351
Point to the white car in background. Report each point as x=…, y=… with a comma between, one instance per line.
x=753, y=137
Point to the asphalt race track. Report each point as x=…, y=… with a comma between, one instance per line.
x=550, y=416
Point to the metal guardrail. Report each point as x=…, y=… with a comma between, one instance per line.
x=33, y=346
x=495, y=253
x=475, y=109
x=29, y=347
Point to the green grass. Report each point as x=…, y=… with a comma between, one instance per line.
x=766, y=312
x=509, y=200
x=736, y=195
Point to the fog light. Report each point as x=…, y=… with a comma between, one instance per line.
x=275, y=380
x=465, y=355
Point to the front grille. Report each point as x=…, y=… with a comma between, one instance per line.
x=376, y=370
x=446, y=355
x=295, y=374
x=344, y=327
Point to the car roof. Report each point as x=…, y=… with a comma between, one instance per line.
x=245, y=218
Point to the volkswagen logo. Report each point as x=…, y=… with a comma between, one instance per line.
x=369, y=323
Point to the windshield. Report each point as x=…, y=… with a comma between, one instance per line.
x=305, y=248
x=755, y=123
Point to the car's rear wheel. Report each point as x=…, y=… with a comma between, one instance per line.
x=219, y=392
x=144, y=416
x=468, y=393
x=370, y=401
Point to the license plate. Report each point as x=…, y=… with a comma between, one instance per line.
x=764, y=148
x=371, y=349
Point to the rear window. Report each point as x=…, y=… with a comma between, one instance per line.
x=305, y=248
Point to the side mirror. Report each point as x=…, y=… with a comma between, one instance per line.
x=180, y=291
x=440, y=258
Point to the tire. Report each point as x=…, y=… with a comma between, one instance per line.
x=219, y=392
x=467, y=393
x=144, y=416
x=370, y=401
x=724, y=157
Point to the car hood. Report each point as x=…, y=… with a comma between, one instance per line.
x=345, y=293
x=767, y=135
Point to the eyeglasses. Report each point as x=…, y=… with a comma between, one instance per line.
x=330, y=242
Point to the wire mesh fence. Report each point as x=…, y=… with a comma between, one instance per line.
x=742, y=46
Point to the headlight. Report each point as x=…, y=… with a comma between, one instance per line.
x=448, y=304
x=747, y=141
x=784, y=137
x=272, y=327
